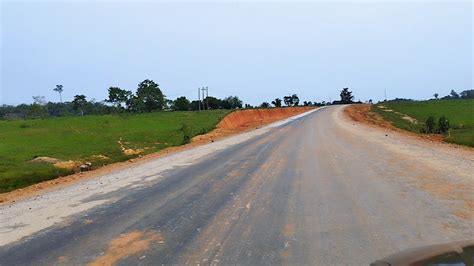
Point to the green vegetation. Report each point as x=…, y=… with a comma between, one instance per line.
x=90, y=138
x=459, y=113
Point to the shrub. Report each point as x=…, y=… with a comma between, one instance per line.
x=443, y=125
x=430, y=125
x=187, y=133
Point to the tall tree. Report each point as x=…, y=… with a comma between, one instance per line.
x=79, y=103
x=59, y=89
x=346, y=96
x=277, y=102
x=150, y=95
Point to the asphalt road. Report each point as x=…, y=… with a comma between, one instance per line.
x=318, y=190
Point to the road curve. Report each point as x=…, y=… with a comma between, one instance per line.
x=317, y=190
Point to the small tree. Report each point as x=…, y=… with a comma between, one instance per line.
x=288, y=100
x=231, y=102
x=118, y=96
x=295, y=100
x=436, y=96
x=443, y=125
x=346, y=96
x=38, y=108
x=79, y=103
x=430, y=125
x=59, y=89
x=277, y=102
x=467, y=94
x=264, y=105
x=181, y=104
x=454, y=94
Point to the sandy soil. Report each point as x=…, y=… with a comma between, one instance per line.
x=236, y=122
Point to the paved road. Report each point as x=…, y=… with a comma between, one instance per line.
x=318, y=190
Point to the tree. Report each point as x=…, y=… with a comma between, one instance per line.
x=264, y=105
x=277, y=102
x=436, y=96
x=454, y=94
x=295, y=100
x=213, y=102
x=59, y=89
x=346, y=96
x=149, y=96
x=38, y=108
x=181, y=104
x=430, y=125
x=467, y=94
x=39, y=100
x=79, y=103
x=231, y=102
x=443, y=125
x=288, y=100
x=118, y=96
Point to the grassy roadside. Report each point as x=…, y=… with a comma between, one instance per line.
x=97, y=139
x=460, y=114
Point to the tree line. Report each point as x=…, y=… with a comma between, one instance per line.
x=453, y=95
x=148, y=97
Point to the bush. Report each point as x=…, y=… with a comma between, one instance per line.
x=187, y=133
x=443, y=125
x=430, y=125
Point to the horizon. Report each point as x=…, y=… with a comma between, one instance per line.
x=409, y=50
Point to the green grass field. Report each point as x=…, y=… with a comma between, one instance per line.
x=80, y=138
x=460, y=114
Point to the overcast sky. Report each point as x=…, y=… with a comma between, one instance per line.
x=258, y=51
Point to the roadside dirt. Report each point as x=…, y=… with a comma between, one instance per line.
x=127, y=245
x=440, y=188
x=236, y=122
x=362, y=113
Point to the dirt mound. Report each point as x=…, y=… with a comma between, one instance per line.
x=44, y=159
x=255, y=117
x=69, y=165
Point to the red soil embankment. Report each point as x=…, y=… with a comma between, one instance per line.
x=244, y=119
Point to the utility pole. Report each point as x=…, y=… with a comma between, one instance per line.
x=207, y=98
x=203, y=89
x=199, y=99
x=385, y=93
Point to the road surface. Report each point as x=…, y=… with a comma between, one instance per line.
x=317, y=189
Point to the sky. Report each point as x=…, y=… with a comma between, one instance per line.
x=256, y=50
